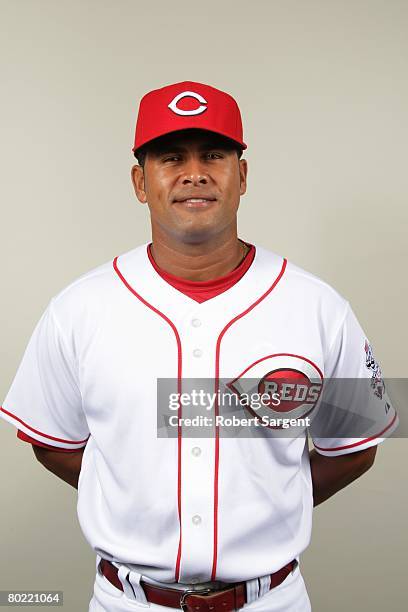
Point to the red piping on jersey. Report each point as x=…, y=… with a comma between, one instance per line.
x=217, y=439
x=179, y=371
x=21, y=435
x=40, y=432
x=360, y=442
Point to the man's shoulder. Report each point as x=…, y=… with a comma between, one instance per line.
x=94, y=284
x=302, y=283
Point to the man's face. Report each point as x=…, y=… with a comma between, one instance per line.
x=184, y=167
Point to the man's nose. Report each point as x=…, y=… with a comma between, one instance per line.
x=194, y=173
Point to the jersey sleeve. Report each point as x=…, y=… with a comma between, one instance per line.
x=22, y=436
x=44, y=401
x=355, y=412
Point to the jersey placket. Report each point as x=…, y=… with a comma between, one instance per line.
x=197, y=453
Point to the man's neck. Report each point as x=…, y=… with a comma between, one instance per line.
x=198, y=262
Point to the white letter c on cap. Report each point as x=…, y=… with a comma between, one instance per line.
x=173, y=104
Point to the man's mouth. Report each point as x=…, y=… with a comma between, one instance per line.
x=195, y=202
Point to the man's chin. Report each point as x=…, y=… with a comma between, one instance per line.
x=197, y=234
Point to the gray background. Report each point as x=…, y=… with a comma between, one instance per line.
x=323, y=92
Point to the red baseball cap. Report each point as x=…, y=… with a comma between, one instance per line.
x=187, y=105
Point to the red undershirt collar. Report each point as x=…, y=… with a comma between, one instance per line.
x=200, y=291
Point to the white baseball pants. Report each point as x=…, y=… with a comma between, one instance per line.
x=289, y=596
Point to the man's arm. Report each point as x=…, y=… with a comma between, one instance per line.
x=64, y=465
x=330, y=474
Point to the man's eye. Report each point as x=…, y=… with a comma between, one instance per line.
x=172, y=158
x=213, y=154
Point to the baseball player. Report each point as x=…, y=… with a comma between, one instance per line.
x=185, y=521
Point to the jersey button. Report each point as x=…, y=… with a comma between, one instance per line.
x=197, y=352
x=195, y=322
x=196, y=519
x=196, y=451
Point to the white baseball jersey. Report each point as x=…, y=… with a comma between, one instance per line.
x=179, y=508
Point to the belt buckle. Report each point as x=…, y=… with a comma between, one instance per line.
x=183, y=604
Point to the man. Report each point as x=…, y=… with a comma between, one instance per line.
x=184, y=521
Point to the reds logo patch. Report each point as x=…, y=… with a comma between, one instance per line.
x=290, y=385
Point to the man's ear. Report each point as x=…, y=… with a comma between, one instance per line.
x=138, y=180
x=243, y=172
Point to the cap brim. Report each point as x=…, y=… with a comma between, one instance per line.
x=242, y=145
